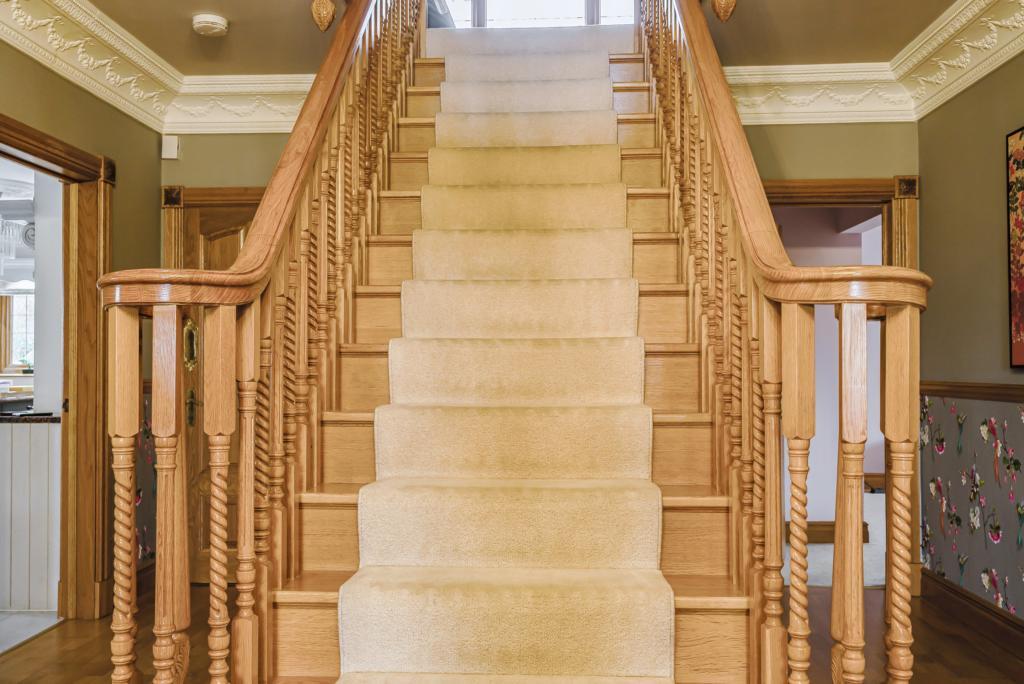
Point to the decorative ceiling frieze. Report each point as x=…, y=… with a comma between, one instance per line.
x=968, y=41
x=78, y=41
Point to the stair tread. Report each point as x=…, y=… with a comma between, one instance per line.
x=526, y=187
x=624, y=151
x=331, y=417
x=645, y=288
x=321, y=587
x=617, y=85
x=689, y=496
x=650, y=347
x=612, y=57
x=419, y=678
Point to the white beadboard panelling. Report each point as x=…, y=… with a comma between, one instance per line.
x=53, y=567
x=39, y=515
x=29, y=515
x=20, y=516
x=6, y=503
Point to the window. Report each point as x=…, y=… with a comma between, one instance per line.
x=617, y=11
x=461, y=11
x=517, y=13
x=23, y=309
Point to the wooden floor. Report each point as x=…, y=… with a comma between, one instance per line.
x=77, y=651
x=944, y=649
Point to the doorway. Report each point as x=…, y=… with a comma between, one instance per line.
x=60, y=363
x=846, y=222
x=31, y=367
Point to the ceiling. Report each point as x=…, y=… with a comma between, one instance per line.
x=772, y=32
x=279, y=37
x=264, y=36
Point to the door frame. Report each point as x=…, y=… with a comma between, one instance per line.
x=898, y=197
x=86, y=582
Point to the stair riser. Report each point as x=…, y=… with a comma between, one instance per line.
x=405, y=523
x=681, y=453
x=640, y=169
x=417, y=135
x=626, y=99
x=670, y=385
x=694, y=540
x=662, y=318
x=655, y=260
x=710, y=645
x=647, y=211
x=430, y=72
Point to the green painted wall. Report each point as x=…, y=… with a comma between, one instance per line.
x=862, y=150
x=964, y=333
x=224, y=160
x=38, y=97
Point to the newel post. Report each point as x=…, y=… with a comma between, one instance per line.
x=773, y=632
x=902, y=380
x=124, y=392
x=848, y=662
x=245, y=628
x=171, y=611
x=798, y=410
x=219, y=416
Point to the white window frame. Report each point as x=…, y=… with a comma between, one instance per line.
x=592, y=12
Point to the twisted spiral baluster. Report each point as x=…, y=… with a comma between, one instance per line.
x=219, y=640
x=799, y=624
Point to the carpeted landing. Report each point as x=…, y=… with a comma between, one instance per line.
x=513, y=534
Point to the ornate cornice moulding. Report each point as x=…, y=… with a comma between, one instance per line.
x=75, y=39
x=78, y=41
x=968, y=41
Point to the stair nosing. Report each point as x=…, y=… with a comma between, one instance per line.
x=363, y=417
x=617, y=86
x=310, y=597
x=660, y=348
x=631, y=191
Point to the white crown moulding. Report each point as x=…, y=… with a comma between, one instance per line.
x=75, y=39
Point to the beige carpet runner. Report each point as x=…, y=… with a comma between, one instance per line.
x=513, y=533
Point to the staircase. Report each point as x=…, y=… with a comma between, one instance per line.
x=503, y=363
x=500, y=509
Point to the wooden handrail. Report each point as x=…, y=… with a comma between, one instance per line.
x=778, y=278
x=245, y=280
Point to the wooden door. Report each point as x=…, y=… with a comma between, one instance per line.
x=204, y=228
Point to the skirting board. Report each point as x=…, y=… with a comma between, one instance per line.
x=824, y=532
x=997, y=626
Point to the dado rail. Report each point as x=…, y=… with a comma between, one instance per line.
x=276, y=322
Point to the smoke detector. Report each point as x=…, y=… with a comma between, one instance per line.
x=210, y=25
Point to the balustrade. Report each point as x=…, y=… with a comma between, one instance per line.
x=274, y=321
x=271, y=328
x=752, y=312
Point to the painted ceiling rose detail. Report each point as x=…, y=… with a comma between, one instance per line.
x=323, y=13
x=724, y=8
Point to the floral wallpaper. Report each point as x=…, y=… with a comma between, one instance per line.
x=973, y=496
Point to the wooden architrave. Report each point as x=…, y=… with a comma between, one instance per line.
x=176, y=200
x=898, y=198
x=85, y=584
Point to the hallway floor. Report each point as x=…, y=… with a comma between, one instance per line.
x=17, y=626
x=77, y=651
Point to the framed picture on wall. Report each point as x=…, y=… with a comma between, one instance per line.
x=1015, y=213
